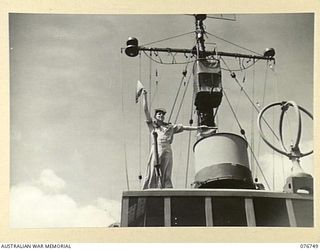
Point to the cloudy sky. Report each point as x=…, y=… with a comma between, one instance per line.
x=73, y=111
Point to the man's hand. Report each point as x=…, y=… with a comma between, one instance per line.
x=204, y=127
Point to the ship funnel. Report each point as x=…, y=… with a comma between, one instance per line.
x=221, y=161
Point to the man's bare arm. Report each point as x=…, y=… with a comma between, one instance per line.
x=190, y=128
x=145, y=105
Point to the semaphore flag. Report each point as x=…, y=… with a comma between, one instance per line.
x=140, y=87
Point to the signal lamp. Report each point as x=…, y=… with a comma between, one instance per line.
x=132, y=41
x=269, y=52
x=132, y=49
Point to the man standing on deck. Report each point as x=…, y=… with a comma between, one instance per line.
x=162, y=160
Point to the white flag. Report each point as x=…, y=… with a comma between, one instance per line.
x=140, y=87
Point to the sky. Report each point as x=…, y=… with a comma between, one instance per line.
x=75, y=125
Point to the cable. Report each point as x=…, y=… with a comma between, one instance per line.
x=232, y=110
x=276, y=91
x=263, y=99
x=233, y=43
x=150, y=90
x=140, y=107
x=161, y=62
x=184, y=73
x=265, y=84
x=259, y=142
x=189, y=142
x=165, y=39
x=242, y=67
x=259, y=166
x=154, y=96
x=124, y=137
x=233, y=75
x=150, y=81
x=184, y=94
x=273, y=153
x=186, y=62
x=252, y=119
x=244, y=135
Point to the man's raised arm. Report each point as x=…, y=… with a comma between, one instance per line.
x=190, y=128
x=145, y=105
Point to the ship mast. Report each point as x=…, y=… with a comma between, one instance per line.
x=207, y=73
x=200, y=35
x=221, y=159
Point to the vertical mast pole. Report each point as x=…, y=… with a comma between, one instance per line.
x=200, y=35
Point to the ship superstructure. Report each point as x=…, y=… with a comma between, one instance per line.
x=224, y=192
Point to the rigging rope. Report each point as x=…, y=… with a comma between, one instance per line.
x=273, y=153
x=233, y=75
x=233, y=112
x=154, y=96
x=174, y=61
x=165, y=39
x=259, y=143
x=187, y=62
x=263, y=100
x=150, y=79
x=276, y=91
x=140, y=108
x=124, y=134
x=184, y=94
x=265, y=84
x=242, y=67
x=237, y=101
x=222, y=39
x=252, y=120
x=157, y=86
x=150, y=90
x=184, y=73
x=244, y=135
x=257, y=162
x=189, y=141
x=161, y=62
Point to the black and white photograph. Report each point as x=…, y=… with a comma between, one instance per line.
x=161, y=120
x=190, y=120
